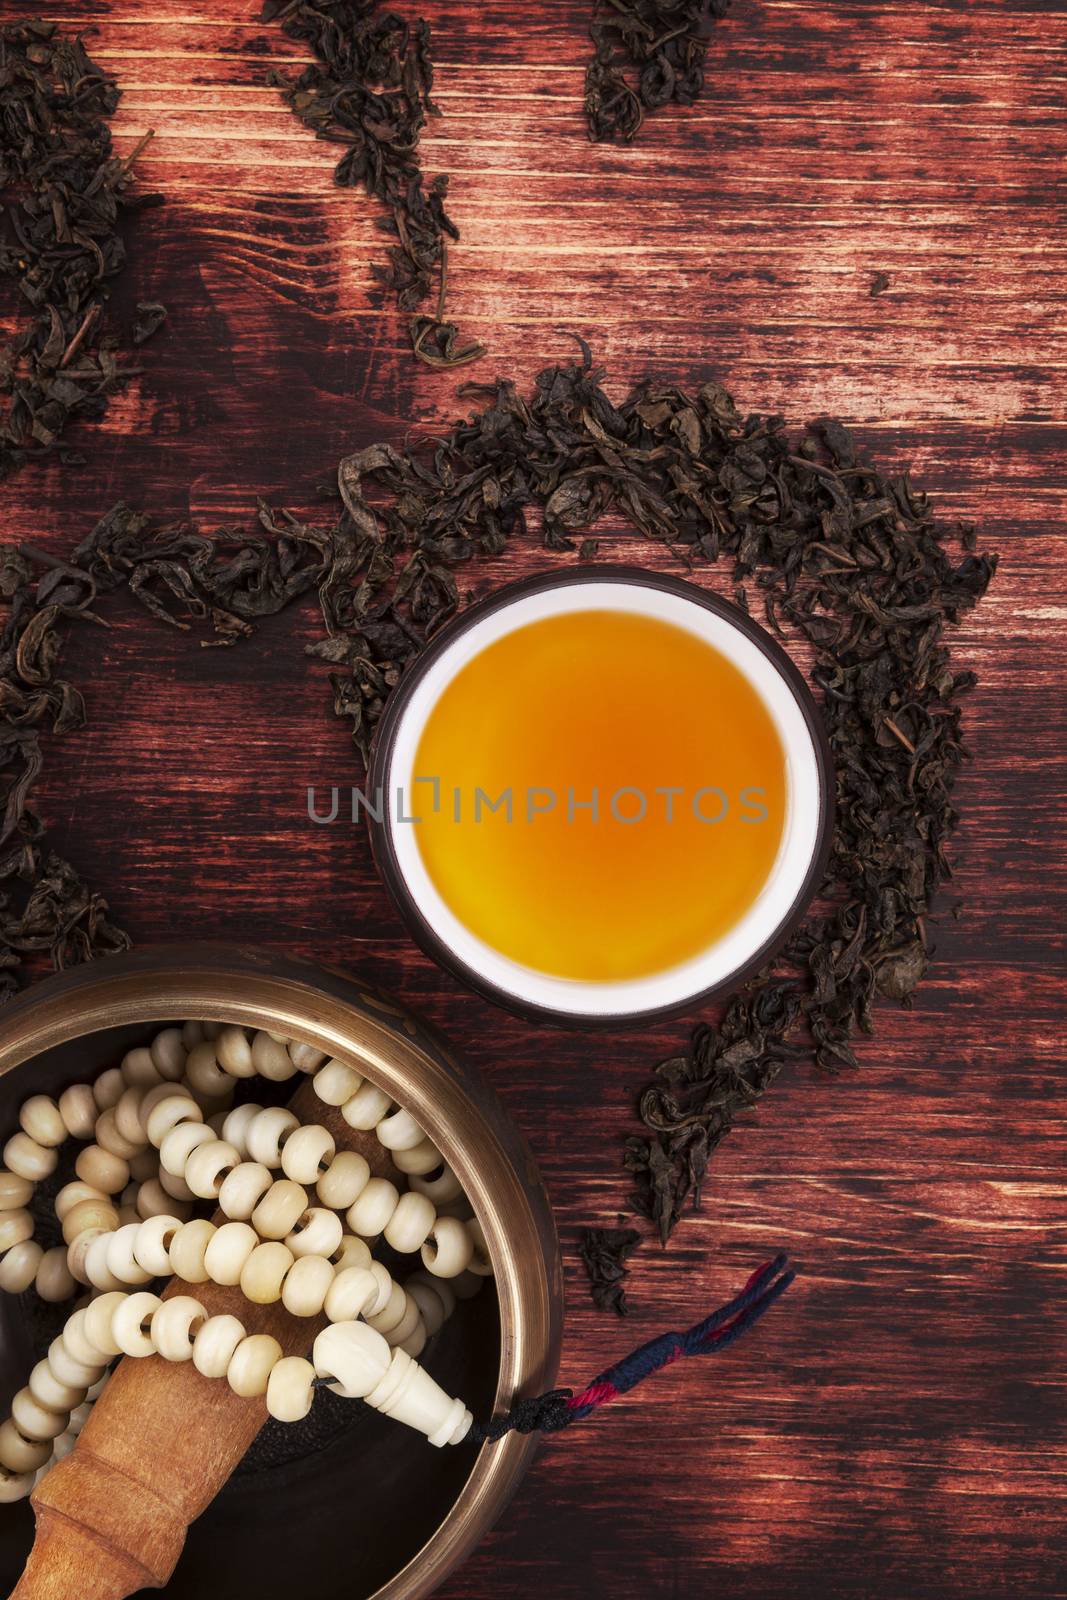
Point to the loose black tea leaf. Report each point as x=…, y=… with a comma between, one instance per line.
x=150, y=318
x=646, y=54
x=604, y=1252
x=369, y=91
x=45, y=908
x=64, y=197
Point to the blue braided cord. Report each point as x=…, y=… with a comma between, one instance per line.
x=649, y=1358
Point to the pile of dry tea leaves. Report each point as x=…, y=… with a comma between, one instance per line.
x=646, y=54
x=842, y=556
x=63, y=198
x=369, y=91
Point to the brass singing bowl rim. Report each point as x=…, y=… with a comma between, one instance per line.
x=324, y=1007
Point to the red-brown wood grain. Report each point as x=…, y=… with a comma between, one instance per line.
x=898, y=1426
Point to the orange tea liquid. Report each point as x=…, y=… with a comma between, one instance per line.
x=670, y=740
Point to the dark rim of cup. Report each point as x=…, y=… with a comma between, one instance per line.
x=381, y=833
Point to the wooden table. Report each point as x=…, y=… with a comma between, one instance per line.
x=897, y=1426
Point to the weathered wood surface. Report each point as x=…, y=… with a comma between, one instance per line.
x=897, y=1426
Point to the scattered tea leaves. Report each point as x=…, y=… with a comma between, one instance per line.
x=843, y=556
x=646, y=54
x=369, y=91
x=604, y=1252
x=64, y=197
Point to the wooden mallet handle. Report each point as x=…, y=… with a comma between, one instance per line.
x=160, y=1442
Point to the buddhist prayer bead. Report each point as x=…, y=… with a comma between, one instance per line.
x=158, y=1137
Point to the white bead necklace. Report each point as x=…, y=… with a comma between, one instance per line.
x=163, y=1135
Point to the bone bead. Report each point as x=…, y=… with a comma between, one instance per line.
x=80, y=1416
x=127, y=1115
x=154, y=1201
x=305, y=1057
x=110, y=1139
x=370, y=1213
x=131, y=1324
x=228, y=1252
x=353, y=1291
x=77, y=1107
x=53, y=1279
x=409, y=1321
x=351, y=1252
x=449, y=1249
x=102, y=1170
x=307, y=1153
x=167, y=1113
x=97, y=1270
x=281, y=1208
x=415, y=1343
x=177, y=1188
x=77, y=1342
x=108, y=1088
x=318, y=1232
x=53, y=1395
x=306, y=1286
x=289, y=1389
x=429, y=1292
x=99, y=1323
x=208, y=1167
x=121, y=1259
x=28, y=1159
x=15, y=1485
x=33, y=1420
x=21, y=1455
x=383, y=1318
x=78, y=1374
x=188, y=1249
x=215, y=1344
x=237, y=1123
x=271, y=1059
x=88, y=1215
x=335, y=1083
x=15, y=1228
x=399, y=1131
x=151, y=1246
x=264, y=1272
x=366, y=1108
x=267, y=1133
x=19, y=1266
x=72, y=1194
x=40, y=1118
x=343, y=1181
x=138, y=1069
x=446, y=1186
x=78, y=1252
x=145, y=1164
x=178, y=1145
x=168, y=1053
x=411, y=1223
x=234, y=1053
x=204, y=1073
x=251, y=1364
x=243, y=1188
x=155, y=1096
x=63, y=1445
x=175, y=1326
x=15, y=1191
x=479, y=1262
x=422, y=1158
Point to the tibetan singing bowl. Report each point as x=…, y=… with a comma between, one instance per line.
x=347, y=1504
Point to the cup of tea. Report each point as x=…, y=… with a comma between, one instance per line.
x=602, y=795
